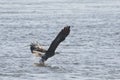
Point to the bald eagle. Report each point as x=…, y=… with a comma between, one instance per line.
x=39, y=51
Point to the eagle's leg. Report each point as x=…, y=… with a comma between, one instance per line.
x=45, y=57
x=42, y=61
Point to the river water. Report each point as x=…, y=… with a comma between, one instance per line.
x=90, y=52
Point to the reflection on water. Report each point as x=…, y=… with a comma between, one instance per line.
x=90, y=52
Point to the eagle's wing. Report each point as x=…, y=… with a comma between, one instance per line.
x=59, y=38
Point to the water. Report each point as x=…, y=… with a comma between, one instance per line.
x=90, y=52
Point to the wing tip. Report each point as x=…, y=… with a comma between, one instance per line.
x=67, y=27
x=66, y=30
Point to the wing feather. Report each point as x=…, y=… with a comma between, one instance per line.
x=59, y=38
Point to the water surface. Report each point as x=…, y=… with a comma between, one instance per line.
x=90, y=52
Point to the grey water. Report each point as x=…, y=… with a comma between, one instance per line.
x=90, y=52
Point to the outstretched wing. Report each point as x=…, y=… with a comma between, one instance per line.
x=59, y=38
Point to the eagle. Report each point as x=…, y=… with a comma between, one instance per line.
x=39, y=51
